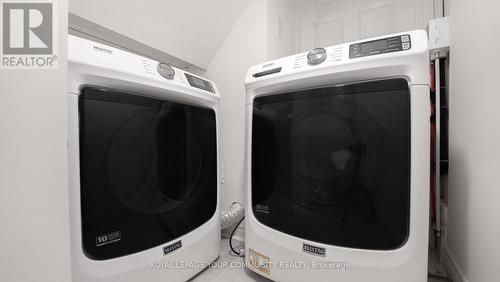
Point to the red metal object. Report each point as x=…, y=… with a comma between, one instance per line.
x=433, y=164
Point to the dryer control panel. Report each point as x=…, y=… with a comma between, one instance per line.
x=107, y=61
x=380, y=46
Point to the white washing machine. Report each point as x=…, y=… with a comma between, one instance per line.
x=143, y=175
x=338, y=163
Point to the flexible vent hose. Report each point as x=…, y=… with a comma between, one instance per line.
x=231, y=215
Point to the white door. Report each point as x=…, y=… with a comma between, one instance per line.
x=323, y=23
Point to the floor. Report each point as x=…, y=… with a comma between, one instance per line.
x=437, y=272
x=229, y=268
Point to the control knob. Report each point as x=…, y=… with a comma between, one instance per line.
x=166, y=70
x=316, y=56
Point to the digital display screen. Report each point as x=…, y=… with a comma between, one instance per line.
x=380, y=46
x=199, y=83
x=374, y=46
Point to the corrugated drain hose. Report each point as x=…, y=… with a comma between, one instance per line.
x=234, y=214
x=231, y=215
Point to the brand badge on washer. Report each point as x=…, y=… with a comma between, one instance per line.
x=262, y=208
x=310, y=249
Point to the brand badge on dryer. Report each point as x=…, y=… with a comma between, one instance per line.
x=172, y=247
x=102, y=50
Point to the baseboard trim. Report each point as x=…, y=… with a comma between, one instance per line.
x=452, y=266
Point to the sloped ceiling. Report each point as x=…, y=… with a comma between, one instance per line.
x=192, y=30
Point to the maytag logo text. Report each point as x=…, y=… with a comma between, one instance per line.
x=318, y=251
x=172, y=247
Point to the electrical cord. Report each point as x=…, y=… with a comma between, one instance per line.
x=231, y=237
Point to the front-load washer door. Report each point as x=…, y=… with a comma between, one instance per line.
x=332, y=164
x=148, y=171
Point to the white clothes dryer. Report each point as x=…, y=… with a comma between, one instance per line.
x=143, y=167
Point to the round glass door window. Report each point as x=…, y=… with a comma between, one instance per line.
x=332, y=164
x=148, y=171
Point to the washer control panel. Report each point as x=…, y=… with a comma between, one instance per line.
x=380, y=46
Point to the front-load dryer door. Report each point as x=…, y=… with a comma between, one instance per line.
x=332, y=164
x=148, y=171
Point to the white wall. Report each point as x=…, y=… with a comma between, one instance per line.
x=252, y=40
x=245, y=46
x=191, y=30
x=281, y=29
x=34, y=222
x=474, y=183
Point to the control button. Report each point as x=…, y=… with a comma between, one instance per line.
x=166, y=70
x=406, y=45
x=405, y=38
x=316, y=56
